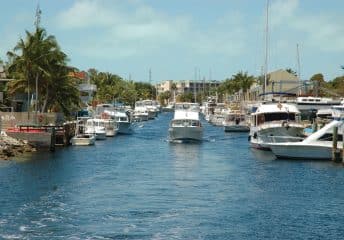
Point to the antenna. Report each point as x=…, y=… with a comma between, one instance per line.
x=266, y=46
x=150, y=76
x=38, y=16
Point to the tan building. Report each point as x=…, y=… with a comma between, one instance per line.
x=186, y=86
x=279, y=81
x=282, y=81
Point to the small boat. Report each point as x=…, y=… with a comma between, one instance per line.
x=122, y=120
x=81, y=138
x=235, y=121
x=96, y=126
x=140, y=112
x=168, y=108
x=111, y=128
x=186, y=125
x=317, y=146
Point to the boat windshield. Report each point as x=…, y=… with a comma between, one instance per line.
x=280, y=116
x=185, y=123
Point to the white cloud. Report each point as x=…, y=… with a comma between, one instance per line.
x=138, y=29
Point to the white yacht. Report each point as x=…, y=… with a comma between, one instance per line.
x=95, y=126
x=122, y=120
x=140, y=112
x=317, y=146
x=307, y=103
x=235, y=121
x=186, y=125
x=152, y=107
x=110, y=125
x=81, y=138
x=275, y=122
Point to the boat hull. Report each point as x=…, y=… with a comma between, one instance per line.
x=124, y=128
x=185, y=133
x=236, y=128
x=83, y=141
x=302, y=151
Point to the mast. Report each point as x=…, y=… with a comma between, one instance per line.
x=298, y=68
x=38, y=16
x=194, y=85
x=266, y=47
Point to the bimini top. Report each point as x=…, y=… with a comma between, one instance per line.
x=276, y=108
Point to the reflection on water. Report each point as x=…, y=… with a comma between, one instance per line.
x=263, y=155
x=186, y=151
x=186, y=158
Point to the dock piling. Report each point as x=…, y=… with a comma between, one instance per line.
x=335, y=153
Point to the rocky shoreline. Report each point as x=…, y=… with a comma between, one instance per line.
x=11, y=147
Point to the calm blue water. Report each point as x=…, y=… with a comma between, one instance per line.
x=143, y=187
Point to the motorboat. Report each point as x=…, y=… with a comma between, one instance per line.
x=169, y=107
x=122, y=120
x=96, y=126
x=109, y=124
x=141, y=112
x=80, y=137
x=186, y=124
x=317, y=146
x=152, y=108
x=235, y=121
x=275, y=122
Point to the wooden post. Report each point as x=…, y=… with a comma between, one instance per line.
x=342, y=144
x=334, y=144
x=53, y=139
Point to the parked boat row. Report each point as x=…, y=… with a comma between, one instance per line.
x=277, y=126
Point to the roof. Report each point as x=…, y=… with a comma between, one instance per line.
x=276, y=107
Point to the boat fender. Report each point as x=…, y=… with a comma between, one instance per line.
x=249, y=138
x=255, y=135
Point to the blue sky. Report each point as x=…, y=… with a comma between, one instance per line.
x=175, y=37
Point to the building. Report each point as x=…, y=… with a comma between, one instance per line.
x=279, y=81
x=186, y=86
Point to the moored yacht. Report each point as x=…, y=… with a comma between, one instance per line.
x=317, y=146
x=186, y=125
x=122, y=120
x=235, y=121
x=80, y=137
x=96, y=126
x=275, y=122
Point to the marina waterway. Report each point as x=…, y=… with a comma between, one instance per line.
x=141, y=186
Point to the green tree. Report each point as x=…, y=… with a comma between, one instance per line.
x=318, y=83
x=38, y=58
x=289, y=70
x=186, y=97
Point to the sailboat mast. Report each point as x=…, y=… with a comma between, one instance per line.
x=298, y=68
x=266, y=47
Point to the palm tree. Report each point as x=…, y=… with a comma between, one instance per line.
x=38, y=60
x=244, y=81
